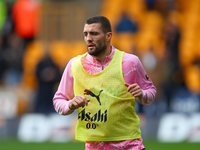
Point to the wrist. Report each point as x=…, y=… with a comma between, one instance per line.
x=69, y=106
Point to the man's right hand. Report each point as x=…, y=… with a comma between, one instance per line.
x=78, y=101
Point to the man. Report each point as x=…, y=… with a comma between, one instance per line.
x=103, y=85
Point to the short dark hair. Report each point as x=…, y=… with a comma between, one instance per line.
x=105, y=23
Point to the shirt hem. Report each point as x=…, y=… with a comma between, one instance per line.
x=107, y=139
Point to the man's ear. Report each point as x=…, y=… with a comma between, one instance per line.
x=108, y=36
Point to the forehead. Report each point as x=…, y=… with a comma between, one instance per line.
x=92, y=27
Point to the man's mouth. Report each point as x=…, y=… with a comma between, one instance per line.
x=91, y=46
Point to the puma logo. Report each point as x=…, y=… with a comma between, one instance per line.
x=147, y=77
x=88, y=92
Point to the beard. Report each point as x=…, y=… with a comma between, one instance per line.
x=99, y=48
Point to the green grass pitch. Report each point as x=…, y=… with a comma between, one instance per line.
x=150, y=145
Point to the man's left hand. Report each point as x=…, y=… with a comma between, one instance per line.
x=135, y=90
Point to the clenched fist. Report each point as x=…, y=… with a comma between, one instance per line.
x=135, y=90
x=78, y=101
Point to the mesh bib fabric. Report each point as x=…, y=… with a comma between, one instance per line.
x=110, y=114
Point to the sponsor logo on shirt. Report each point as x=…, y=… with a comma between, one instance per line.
x=100, y=116
x=88, y=92
x=147, y=77
x=93, y=119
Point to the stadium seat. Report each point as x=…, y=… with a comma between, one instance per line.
x=192, y=78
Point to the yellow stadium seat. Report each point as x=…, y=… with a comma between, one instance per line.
x=125, y=42
x=192, y=78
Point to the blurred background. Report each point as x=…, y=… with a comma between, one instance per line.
x=38, y=38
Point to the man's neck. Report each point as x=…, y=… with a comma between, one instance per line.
x=102, y=57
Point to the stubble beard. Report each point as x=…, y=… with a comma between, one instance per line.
x=98, y=50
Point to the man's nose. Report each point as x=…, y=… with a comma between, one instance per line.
x=88, y=37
